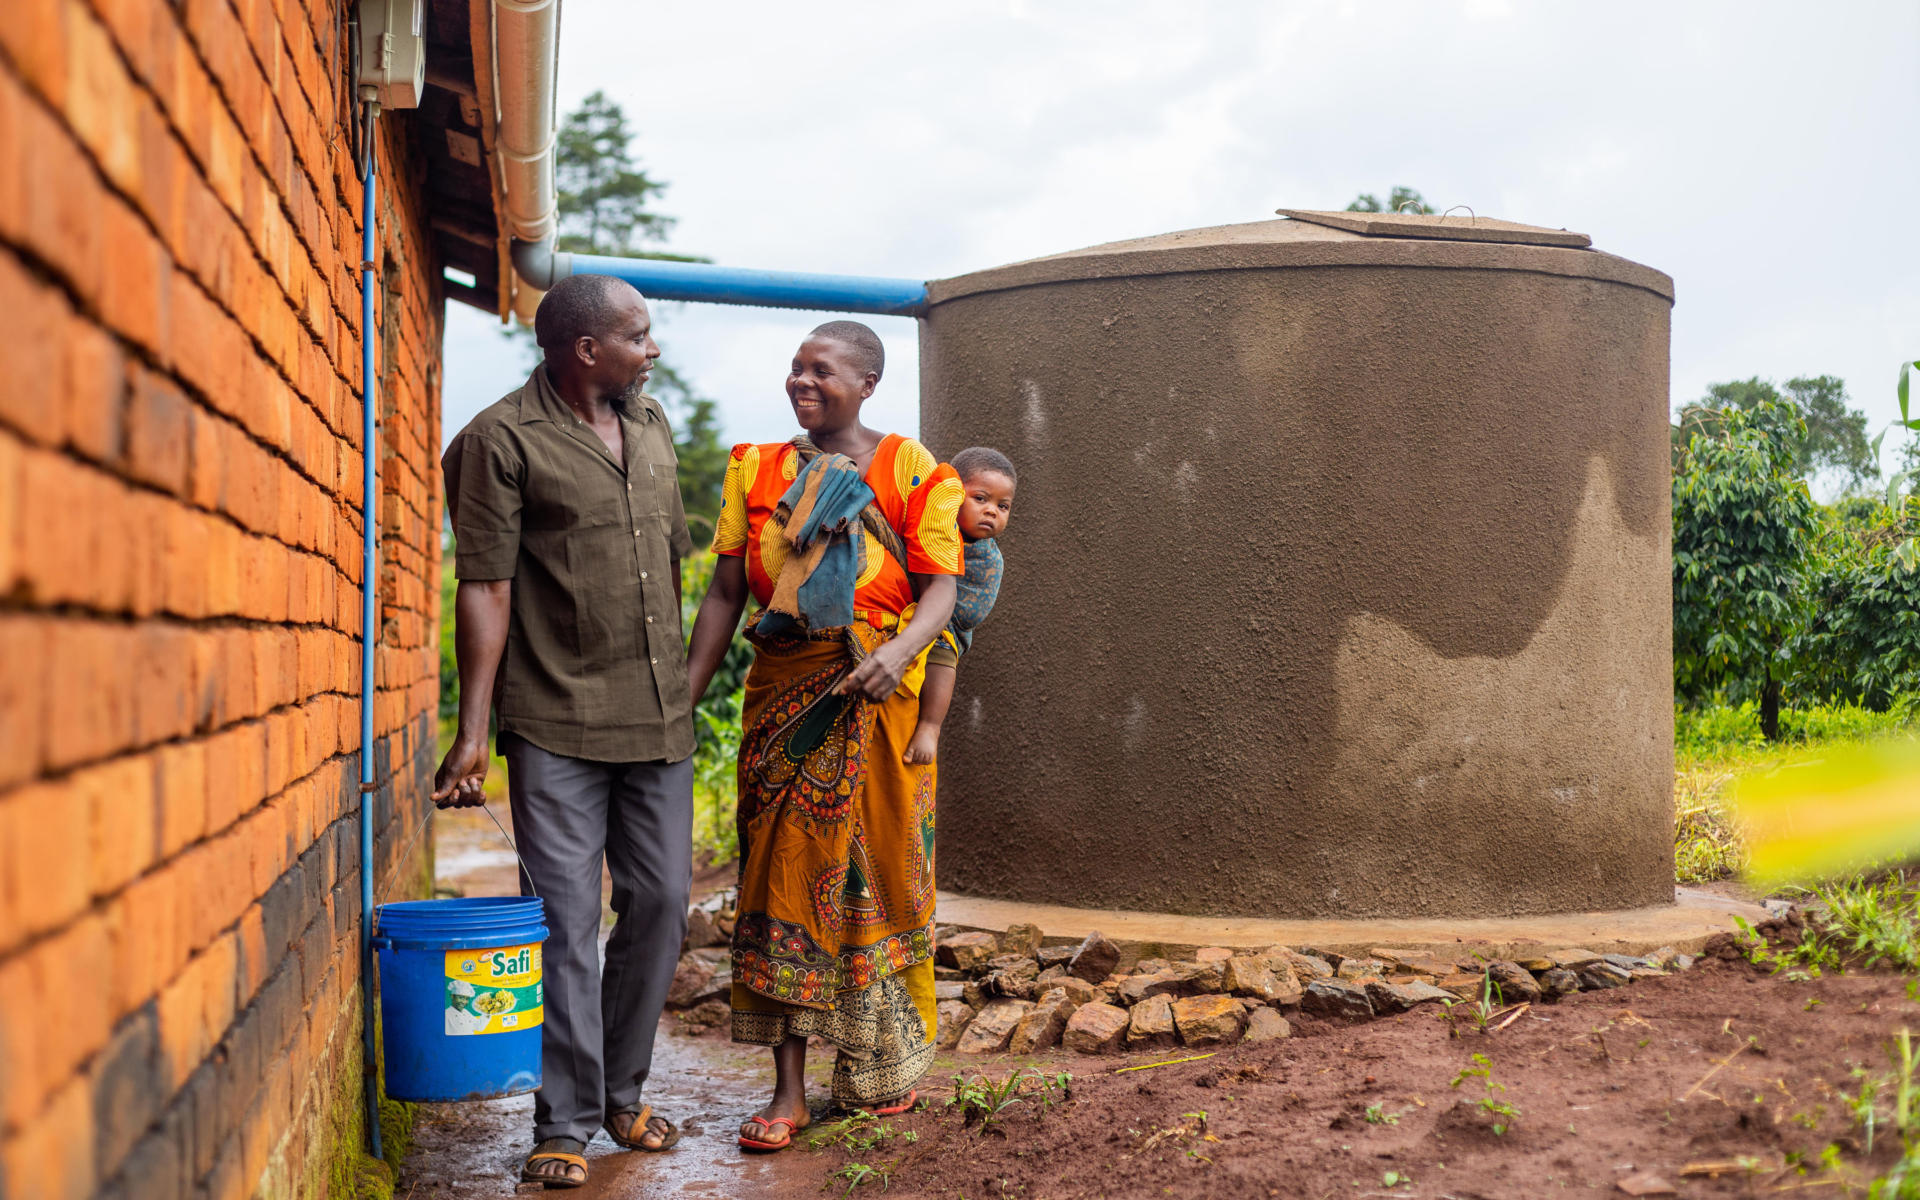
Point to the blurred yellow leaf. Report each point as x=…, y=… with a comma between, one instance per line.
x=1836, y=809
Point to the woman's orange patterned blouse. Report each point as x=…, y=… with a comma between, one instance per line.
x=920, y=497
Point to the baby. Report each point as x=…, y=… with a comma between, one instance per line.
x=988, y=478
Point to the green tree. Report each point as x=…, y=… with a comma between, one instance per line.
x=605, y=202
x=1742, y=519
x=1861, y=643
x=1400, y=199
x=1836, y=433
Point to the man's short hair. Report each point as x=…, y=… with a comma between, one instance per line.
x=975, y=459
x=868, y=353
x=576, y=307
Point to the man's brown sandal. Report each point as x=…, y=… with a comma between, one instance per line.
x=546, y=1152
x=640, y=1119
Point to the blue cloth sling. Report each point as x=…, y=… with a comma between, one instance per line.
x=822, y=507
x=975, y=591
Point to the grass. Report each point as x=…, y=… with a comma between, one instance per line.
x=986, y=1100
x=1717, y=744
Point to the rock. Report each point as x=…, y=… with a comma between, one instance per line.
x=1601, y=974
x=1148, y=966
x=1461, y=986
x=1254, y=978
x=1022, y=939
x=992, y=1027
x=1054, y=956
x=1095, y=1029
x=709, y=1013
x=974, y=994
x=1265, y=1025
x=1536, y=964
x=1388, y=996
x=713, y=956
x=1336, y=998
x=1108, y=992
x=1078, y=990
x=1684, y=962
x=1573, y=960
x=1306, y=967
x=1095, y=959
x=719, y=986
x=1218, y=954
x=1051, y=977
x=1150, y=1023
x=1128, y=990
x=966, y=951
x=690, y=978
x=1041, y=1027
x=1664, y=958
x=1646, y=1183
x=1626, y=962
x=1333, y=958
x=1360, y=968
x=1514, y=983
x=1004, y=961
x=1647, y=973
x=1197, y=977
x=702, y=930
x=950, y=990
x=1412, y=962
x=946, y=974
x=1209, y=1020
x=951, y=1019
x=1558, y=982
x=1017, y=978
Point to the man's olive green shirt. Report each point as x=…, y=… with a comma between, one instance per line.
x=595, y=665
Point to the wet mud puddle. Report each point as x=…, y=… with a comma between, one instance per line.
x=703, y=1083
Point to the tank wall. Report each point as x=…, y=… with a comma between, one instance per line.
x=1329, y=591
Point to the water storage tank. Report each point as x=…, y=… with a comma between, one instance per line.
x=1338, y=581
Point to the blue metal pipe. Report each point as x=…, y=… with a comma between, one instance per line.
x=369, y=595
x=663, y=279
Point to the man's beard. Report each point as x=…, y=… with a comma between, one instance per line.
x=623, y=403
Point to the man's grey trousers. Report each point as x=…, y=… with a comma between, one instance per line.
x=596, y=1050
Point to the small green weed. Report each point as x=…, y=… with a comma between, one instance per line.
x=1504, y=1114
x=857, y=1133
x=1377, y=1114
x=858, y=1175
x=1394, y=1179
x=985, y=1100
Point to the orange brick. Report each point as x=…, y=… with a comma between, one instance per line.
x=208, y=463
x=56, y=1015
x=35, y=35
x=30, y=344
x=251, y=969
x=195, y=1008
x=10, y=506
x=95, y=381
x=181, y=792
x=186, y=582
x=163, y=667
x=61, y=217
x=89, y=703
x=145, y=545
x=51, y=1156
x=43, y=881
x=24, y=685
x=100, y=106
x=146, y=936
x=120, y=819
x=158, y=414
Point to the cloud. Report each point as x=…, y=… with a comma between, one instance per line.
x=1759, y=153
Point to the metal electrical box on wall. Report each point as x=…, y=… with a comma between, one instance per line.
x=393, y=50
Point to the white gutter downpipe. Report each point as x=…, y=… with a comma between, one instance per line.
x=526, y=48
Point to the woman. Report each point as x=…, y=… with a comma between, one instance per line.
x=847, y=540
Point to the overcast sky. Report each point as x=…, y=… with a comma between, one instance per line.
x=1766, y=155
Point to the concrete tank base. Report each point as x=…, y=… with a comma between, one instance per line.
x=1684, y=925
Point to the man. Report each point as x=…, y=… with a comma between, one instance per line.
x=568, y=534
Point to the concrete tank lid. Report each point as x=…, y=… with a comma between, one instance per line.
x=1316, y=240
x=1468, y=228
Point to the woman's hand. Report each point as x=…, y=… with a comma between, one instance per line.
x=878, y=675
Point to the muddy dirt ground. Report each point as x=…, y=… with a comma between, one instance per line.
x=1712, y=1082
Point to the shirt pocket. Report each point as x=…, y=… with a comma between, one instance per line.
x=666, y=487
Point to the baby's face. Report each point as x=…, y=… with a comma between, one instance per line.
x=988, y=505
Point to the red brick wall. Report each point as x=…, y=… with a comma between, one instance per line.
x=179, y=591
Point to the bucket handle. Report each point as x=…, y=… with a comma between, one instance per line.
x=408, y=849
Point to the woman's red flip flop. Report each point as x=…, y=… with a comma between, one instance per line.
x=768, y=1145
x=897, y=1107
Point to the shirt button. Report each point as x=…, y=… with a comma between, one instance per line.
x=649, y=620
x=636, y=533
x=629, y=487
x=654, y=661
x=643, y=574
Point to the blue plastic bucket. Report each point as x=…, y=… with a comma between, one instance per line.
x=460, y=996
